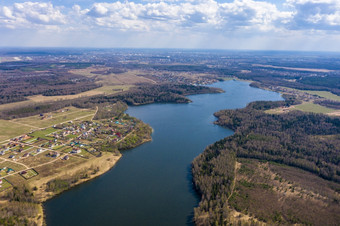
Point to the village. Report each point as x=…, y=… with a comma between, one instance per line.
x=30, y=154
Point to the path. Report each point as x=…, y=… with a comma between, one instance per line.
x=22, y=124
x=95, y=113
x=15, y=162
x=126, y=136
x=234, y=181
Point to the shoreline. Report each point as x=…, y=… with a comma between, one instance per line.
x=105, y=165
x=106, y=162
x=110, y=163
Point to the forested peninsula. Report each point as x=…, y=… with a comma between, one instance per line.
x=307, y=141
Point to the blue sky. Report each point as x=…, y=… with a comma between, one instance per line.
x=205, y=24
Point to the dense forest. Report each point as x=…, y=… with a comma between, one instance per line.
x=329, y=103
x=304, y=140
x=213, y=175
x=22, y=206
x=145, y=94
x=109, y=111
x=17, y=85
x=300, y=80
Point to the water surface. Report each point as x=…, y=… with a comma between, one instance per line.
x=151, y=184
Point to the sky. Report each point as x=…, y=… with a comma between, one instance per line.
x=306, y=25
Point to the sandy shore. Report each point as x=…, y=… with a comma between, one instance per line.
x=104, y=164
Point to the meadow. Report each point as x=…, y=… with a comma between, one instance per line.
x=17, y=127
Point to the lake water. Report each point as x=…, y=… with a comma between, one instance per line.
x=151, y=184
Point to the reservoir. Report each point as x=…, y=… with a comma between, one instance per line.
x=151, y=184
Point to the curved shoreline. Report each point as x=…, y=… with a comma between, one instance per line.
x=110, y=163
x=160, y=158
x=104, y=160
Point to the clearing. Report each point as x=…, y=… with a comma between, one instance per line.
x=324, y=94
x=279, y=194
x=315, y=108
x=17, y=127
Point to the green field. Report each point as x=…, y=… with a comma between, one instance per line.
x=43, y=133
x=315, y=108
x=57, y=117
x=30, y=140
x=9, y=129
x=12, y=165
x=66, y=149
x=324, y=94
x=72, y=136
x=113, y=89
x=5, y=184
x=29, y=174
x=17, y=127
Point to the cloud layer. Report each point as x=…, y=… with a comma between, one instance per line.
x=31, y=14
x=203, y=17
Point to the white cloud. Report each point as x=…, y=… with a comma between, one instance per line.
x=315, y=14
x=201, y=20
x=30, y=14
x=173, y=15
x=167, y=16
x=252, y=14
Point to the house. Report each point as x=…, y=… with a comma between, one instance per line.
x=11, y=156
x=75, y=151
x=66, y=157
x=26, y=155
x=54, y=154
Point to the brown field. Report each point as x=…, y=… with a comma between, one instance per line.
x=33, y=161
x=16, y=167
x=104, y=90
x=87, y=71
x=67, y=169
x=56, y=117
x=127, y=78
x=335, y=113
x=112, y=83
x=277, y=194
x=16, y=105
x=9, y=129
x=305, y=107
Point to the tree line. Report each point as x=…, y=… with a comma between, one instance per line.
x=145, y=94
